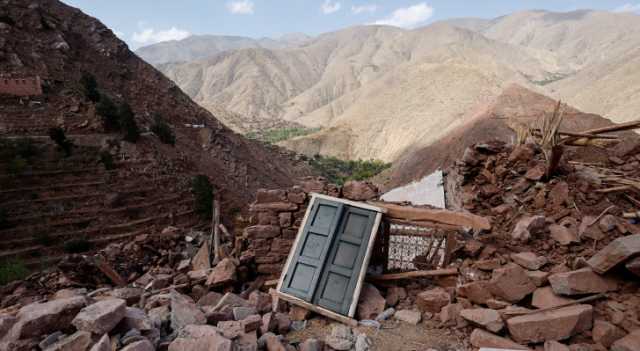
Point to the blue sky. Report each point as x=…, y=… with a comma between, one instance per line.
x=144, y=22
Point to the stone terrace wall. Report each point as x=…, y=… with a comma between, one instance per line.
x=21, y=86
x=277, y=214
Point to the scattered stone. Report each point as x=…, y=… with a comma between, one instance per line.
x=50, y=340
x=231, y=300
x=408, y=316
x=240, y=313
x=269, y=323
x=616, y=252
x=78, y=341
x=38, y=319
x=312, y=344
x=588, y=229
x=606, y=333
x=481, y=338
x=142, y=345
x=135, y=318
x=395, y=294
x=556, y=325
x=529, y=260
x=538, y=278
x=545, y=298
x=200, y=338
x=210, y=299
x=283, y=322
x=104, y=344
x=511, y=283
x=363, y=343
x=223, y=273
x=261, y=301
x=631, y=342
x=554, y=346
x=371, y=303
x=633, y=266
x=100, y=317
x=473, y=247
x=563, y=235
x=484, y=317
x=341, y=338
x=359, y=191
x=184, y=312
x=231, y=329
x=433, y=300
x=582, y=281
x=252, y=323
x=527, y=227
x=488, y=265
x=129, y=294
x=608, y=223
x=297, y=313
x=450, y=315
x=497, y=304
x=477, y=292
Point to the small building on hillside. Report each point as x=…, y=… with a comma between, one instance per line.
x=28, y=86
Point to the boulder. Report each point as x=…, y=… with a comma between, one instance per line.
x=483, y=339
x=39, y=319
x=545, y=298
x=359, y=191
x=101, y=317
x=433, y=300
x=527, y=227
x=408, y=316
x=484, y=317
x=511, y=283
x=184, y=312
x=223, y=273
x=616, y=252
x=631, y=342
x=477, y=292
x=555, y=325
x=581, y=281
x=371, y=303
x=78, y=341
x=606, y=333
x=529, y=260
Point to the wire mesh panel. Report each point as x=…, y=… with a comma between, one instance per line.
x=412, y=247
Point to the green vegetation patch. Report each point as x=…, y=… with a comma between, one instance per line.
x=340, y=171
x=12, y=270
x=163, y=130
x=273, y=136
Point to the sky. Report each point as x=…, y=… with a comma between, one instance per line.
x=145, y=22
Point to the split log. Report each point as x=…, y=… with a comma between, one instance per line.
x=441, y=216
x=413, y=274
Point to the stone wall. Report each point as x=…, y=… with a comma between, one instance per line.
x=276, y=216
x=21, y=86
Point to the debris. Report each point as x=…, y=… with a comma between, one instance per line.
x=582, y=281
x=480, y=338
x=529, y=260
x=606, y=333
x=371, y=303
x=558, y=324
x=631, y=342
x=433, y=300
x=511, y=283
x=527, y=227
x=546, y=298
x=408, y=316
x=616, y=252
x=413, y=274
x=484, y=317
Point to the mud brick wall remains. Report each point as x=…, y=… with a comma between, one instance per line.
x=21, y=86
x=276, y=216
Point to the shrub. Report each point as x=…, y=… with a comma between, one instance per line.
x=273, y=136
x=339, y=171
x=12, y=270
x=128, y=123
x=163, y=131
x=44, y=239
x=203, y=192
x=77, y=245
x=108, y=110
x=58, y=135
x=90, y=87
x=107, y=160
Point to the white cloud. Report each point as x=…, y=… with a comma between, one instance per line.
x=118, y=34
x=241, y=7
x=408, y=17
x=370, y=8
x=147, y=36
x=330, y=7
x=628, y=8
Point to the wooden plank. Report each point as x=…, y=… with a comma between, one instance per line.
x=362, y=205
x=458, y=219
x=413, y=274
x=426, y=224
x=365, y=265
x=329, y=314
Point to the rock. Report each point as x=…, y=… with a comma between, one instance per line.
x=297, y=313
x=273, y=343
x=135, y=318
x=545, y=297
x=341, y=338
x=484, y=317
x=477, y=292
x=312, y=344
x=527, y=227
x=582, y=281
x=142, y=345
x=184, y=312
x=608, y=223
x=633, y=266
x=631, y=342
x=538, y=278
x=529, y=260
x=210, y=299
x=616, y=252
x=104, y=344
x=78, y=341
x=223, y=273
x=606, y=333
x=497, y=304
x=395, y=294
x=129, y=294
x=371, y=303
x=200, y=338
x=521, y=153
x=231, y=329
x=283, y=322
x=6, y=323
x=363, y=343
x=450, y=314
x=161, y=281
x=536, y=173
x=261, y=301
x=556, y=325
x=487, y=265
x=481, y=338
x=386, y=314
x=559, y=194
x=473, y=247
x=408, y=316
x=252, y=323
x=39, y=319
x=554, y=346
x=100, y=317
x=433, y=300
x=231, y=300
x=359, y=191
x=159, y=315
x=240, y=313
x=563, y=235
x=270, y=195
x=269, y=323
x=511, y=283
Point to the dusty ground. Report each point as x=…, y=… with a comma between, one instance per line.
x=393, y=336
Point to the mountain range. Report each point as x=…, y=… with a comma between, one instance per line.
x=380, y=91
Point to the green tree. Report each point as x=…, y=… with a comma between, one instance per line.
x=108, y=110
x=58, y=135
x=163, y=130
x=203, y=192
x=128, y=123
x=90, y=87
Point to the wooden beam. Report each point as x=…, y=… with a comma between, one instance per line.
x=427, y=224
x=363, y=205
x=413, y=274
x=329, y=314
x=442, y=216
x=109, y=271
